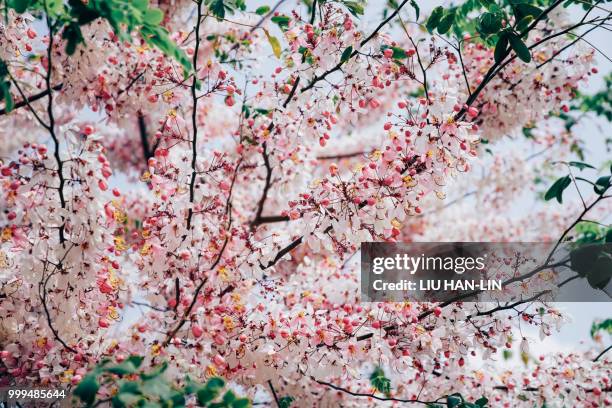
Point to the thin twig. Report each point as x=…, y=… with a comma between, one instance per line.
x=274, y=394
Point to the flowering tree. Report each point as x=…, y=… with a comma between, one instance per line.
x=188, y=182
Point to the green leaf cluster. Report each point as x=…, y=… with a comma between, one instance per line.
x=151, y=389
x=219, y=8
x=458, y=401
x=601, y=325
x=124, y=16
x=441, y=19
x=5, y=86
x=285, y=402
x=380, y=382
x=593, y=261
x=356, y=8
x=600, y=186
x=488, y=21
x=281, y=21
x=398, y=53
x=591, y=253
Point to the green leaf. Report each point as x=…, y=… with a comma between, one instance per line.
x=489, y=23
x=158, y=37
x=87, y=389
x=205, y=395
x=156, y=372
x=73, y=36
x=217, y=8
x=153, y=17
x=274, y=43
x=416, y=8
x=501, y=50
x=593, y=261
x=398, y=53
x=605, y=325
x=285, y=402
x=602, y=184
x=215, y=383
x=262, y=10
x=129, y=366
x=526, y=9
x=354, y=7
x=5, y=95
x=229, y=397
x=482, y=402
x=446, y=22
x=601, y=273
x=380, y=382
x=520, y=48
x=580, y=165
x=434, y=18
x=130, y=387
x=454, y=400
x=346, y=54
x=524, y=23
x=141, y=5
x=241, y=403
x=487, y=3
x=556, y=190
x=123, y=400
x=281, y=21
x=20, y=6
x=583, y=258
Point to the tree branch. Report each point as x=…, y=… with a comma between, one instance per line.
x=194, y=115
x=376, y=397
x=144, y=138
x=28, y=100
x=602, y=353
x=355, y=52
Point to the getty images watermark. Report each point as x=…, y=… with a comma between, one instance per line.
x=480, y=271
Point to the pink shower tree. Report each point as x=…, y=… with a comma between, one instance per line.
x=184, y=185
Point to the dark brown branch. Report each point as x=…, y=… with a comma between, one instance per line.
x=536, y=389
x=144, y=138
x=377, y=397
x=28, y=100
x=552, y=57
x=576, y=221
x=602, y=353
x=418, y=55
x=270, y=219
x=355, y=52
x=341, y=156
x=510, y=305
x=177, y=293
x=286, y=250
x=410, y=162
x=546, y=264
x=194, y=116
x=42, y=293
x=501, y=64
x=51, y=127
x=56, y=335
x=264, y=194
x=228, y=212
x=274, y=394
x=261, y=21
x=467, y=295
